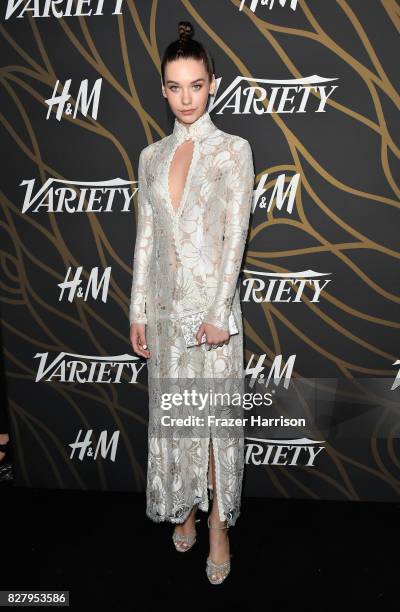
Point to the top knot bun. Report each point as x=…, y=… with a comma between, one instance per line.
x=185, y=30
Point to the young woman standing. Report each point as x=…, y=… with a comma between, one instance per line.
x=194, y=205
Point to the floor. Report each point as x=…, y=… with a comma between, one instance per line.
x=287, y=554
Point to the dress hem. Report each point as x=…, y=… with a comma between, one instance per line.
x=158, y=518
x=204, y=506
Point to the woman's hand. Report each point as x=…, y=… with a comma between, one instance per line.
x=214, y=335
x=138, y=339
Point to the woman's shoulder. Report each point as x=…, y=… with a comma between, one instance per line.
x=147, y=153
x=240, y=153
x=236, y=142
x=149, y=149
x=239, y=147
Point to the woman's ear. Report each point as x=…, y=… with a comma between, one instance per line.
x=212, y=85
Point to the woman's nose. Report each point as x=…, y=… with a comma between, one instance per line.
x=186, y=100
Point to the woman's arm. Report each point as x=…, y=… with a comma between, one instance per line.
x=238, y=209
x=143, y=250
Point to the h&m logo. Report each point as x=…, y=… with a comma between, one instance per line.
x=60, y=101
x=86, y=449
x=269, y=4
x=93, y=285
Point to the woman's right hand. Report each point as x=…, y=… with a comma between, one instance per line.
x=138, y=339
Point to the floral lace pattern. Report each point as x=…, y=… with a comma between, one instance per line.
x=185, y=261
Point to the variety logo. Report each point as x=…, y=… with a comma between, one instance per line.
x=67, y=367
x=60, y=8
x=396, y=382
x=284, y=95
x=278, y=194
x=93, y=285
x=302, y=451
x=60, y=195
x=60, y=101
x=283, y=286
x=86, y=449
x=269, y=4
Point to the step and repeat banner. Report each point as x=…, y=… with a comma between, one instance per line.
x=313, y=86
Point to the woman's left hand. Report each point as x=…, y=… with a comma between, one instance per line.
x=215, y=336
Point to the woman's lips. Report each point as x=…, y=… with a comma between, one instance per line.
x=187, y=112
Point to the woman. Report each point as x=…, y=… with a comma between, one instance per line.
x=5, y=457
x=194, y=203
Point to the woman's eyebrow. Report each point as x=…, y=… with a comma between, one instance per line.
x=177, y=83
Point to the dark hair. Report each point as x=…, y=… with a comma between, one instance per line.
x=186, y=47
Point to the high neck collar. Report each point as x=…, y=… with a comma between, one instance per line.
x=196, y=130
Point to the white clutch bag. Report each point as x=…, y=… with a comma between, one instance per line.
x=191, y=323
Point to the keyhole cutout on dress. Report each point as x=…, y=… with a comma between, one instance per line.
x=178, y=172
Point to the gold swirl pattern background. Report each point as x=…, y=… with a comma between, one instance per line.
x=346, y=222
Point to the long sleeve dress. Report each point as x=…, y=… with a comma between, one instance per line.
x=186, y=260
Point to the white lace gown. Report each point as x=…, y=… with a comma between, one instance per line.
x=186, y=260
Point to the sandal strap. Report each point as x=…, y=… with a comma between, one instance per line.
x=212, y=527
x=188, y=539
x=218, y=567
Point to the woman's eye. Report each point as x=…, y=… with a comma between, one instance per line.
x=175, y=87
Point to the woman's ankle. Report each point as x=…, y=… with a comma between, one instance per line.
x=215, y=521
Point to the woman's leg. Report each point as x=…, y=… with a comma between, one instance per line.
x=3, y=440
x=219, y=541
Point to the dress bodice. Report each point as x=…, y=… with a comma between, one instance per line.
x=189, y=259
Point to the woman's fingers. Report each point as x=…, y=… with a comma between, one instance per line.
x=216, y=337
x=144, y=351
x=200, y=333
x=139, y=343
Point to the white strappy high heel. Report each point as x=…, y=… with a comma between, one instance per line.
x=213, y=569
x=184, y=542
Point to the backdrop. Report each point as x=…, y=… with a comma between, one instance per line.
x=313, y=86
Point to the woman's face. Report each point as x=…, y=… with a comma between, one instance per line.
x=187, y=87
